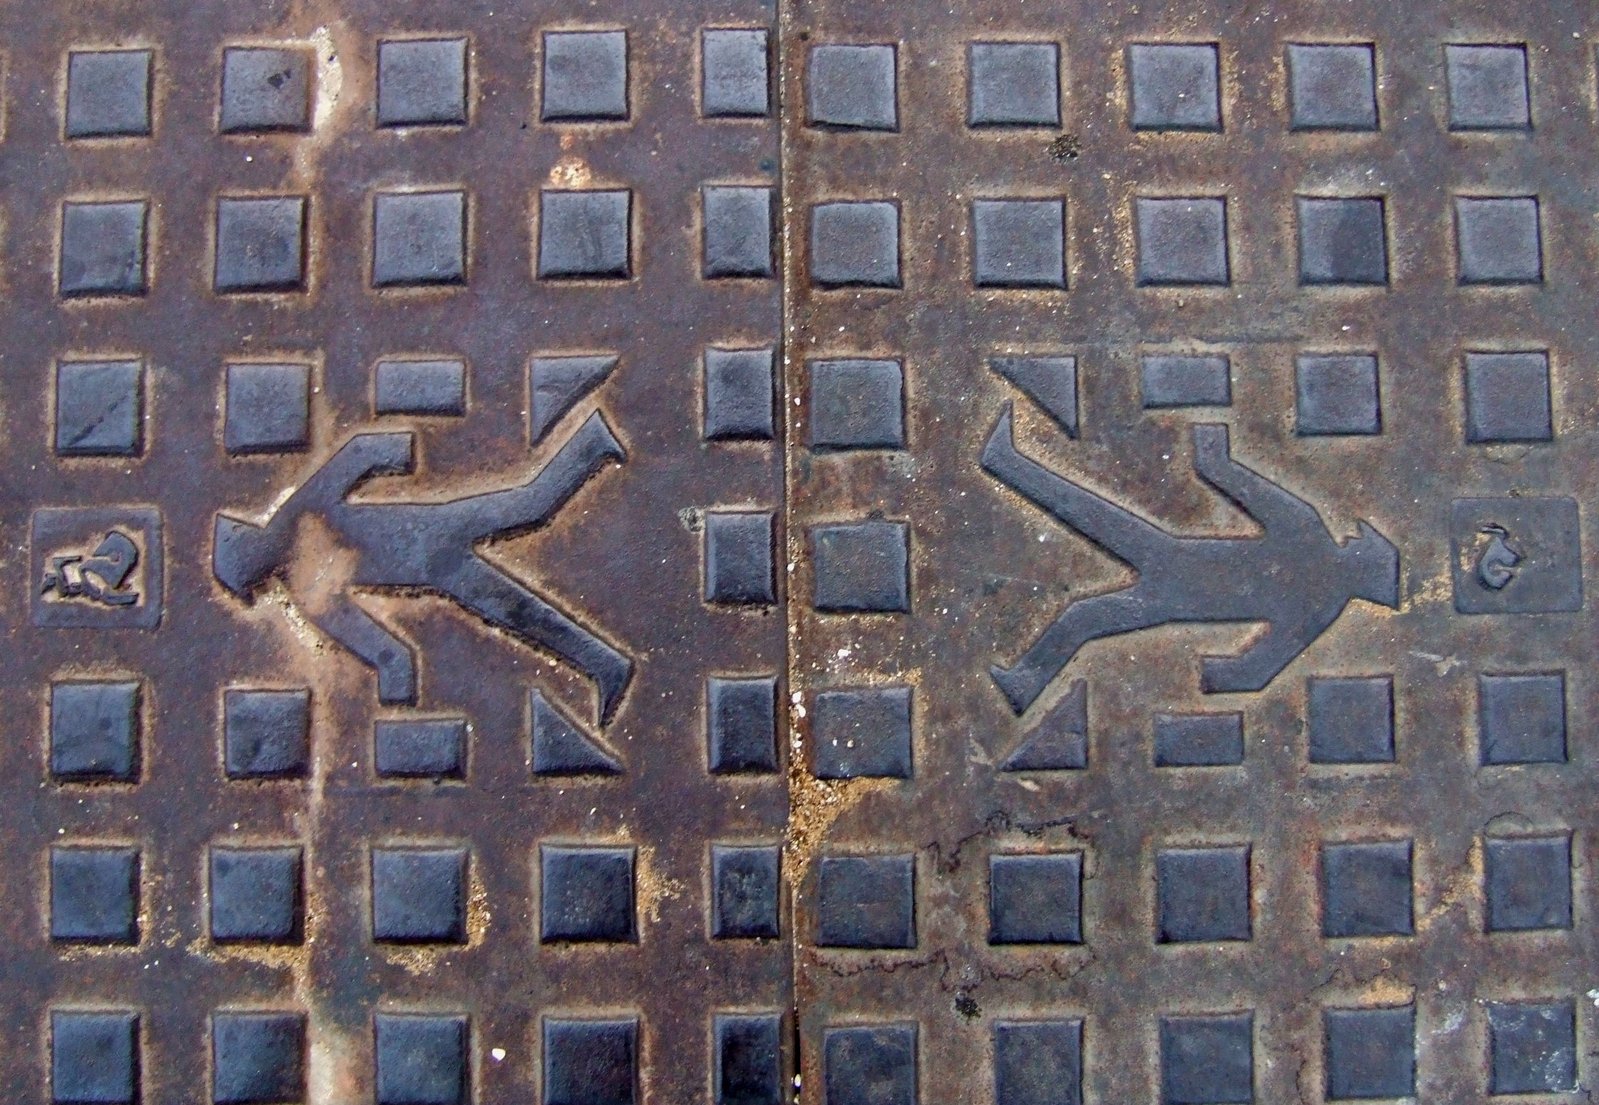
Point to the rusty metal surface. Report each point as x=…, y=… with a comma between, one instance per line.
x=742, y=552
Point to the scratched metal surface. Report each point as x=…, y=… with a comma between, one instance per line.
x=1028, y=553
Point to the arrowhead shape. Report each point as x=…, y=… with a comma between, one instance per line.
x=558, y=383
x=1051, y=382
x=561, y=748
x=1060, y=741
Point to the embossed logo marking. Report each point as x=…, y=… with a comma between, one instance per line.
x=96, y=567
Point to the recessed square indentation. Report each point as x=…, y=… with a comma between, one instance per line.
x=255, y=894
x=1507, y=398
x=257, y=1058
x=1520, y=555
x=1019, y=243
x=741, y=724
x=1332, y=86
x=590, y=1062
x=1351, y=719
x=94, y=894
x=1203, y=894
x=1035, y=899
x=1370, y=1052
x=1498, y=240
x=737, y=232
x=1038, y=1062
x=748, y=1062
x=862, y=732
x=1532, y=1047
x=733, y=73
x=1487, y=87
x=1174, y=86
x=1342, y=241
x=585, y=234
x=738, y=558
x=1521, y=719
x=855, y=244
x=1199, y=740
x=268, y=408
x=1182, y=241
x=585, y=76
x=870, y=1063
x=420, y=387
x=1207, y=1059
x=866, y=902
x=746, y=891
x=103, y=248
x=586, y=894
x=421, y=1059
x=420, y=748
x=419, y=895
x=852, y=87
x=94, y=731
x=857, y=404
x=422, y=82
x=1186, y=380
x=739, y=394
x=418, y=238
x=266, y=734
x=1527, y=881
x=1013, y=84
x=99, y=408
x=108, y=93
x=1366, y=889
x=260, y=244
x=265, y=88
x=862, y=567
x=1336, y=394
x=94, y=1057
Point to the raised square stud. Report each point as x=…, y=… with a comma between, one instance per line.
x=1487, y=87
x=94, y=1057
x=1498, y=240
x=1174, y=86
x=748, y=1060
x=266, y=734
x=1019, y=243
x=745, y=903
x=1182, y=241
x=1199, y=740
x=1521, y=719
x=108, y=93
x=255, y=894
x=99, y=408
x=1507, y=398
x=739, y=394
x=1013, y=84
x=733, y=73
x=741, y=724
x=419, y=895
x=1207, y=1059
x=1516, y=555
x=94, y=732
x=268, y=408
x=738, y=558
x=862, y=567
x=1366, y=889
x=1035, y=899
x=94, y=894
x=418, y=238
x=855, y=244
x=1351, y=720
x=422, y=82
x=1527, y=881
x=260, y=244
x=590, y=1062
x=421, y=748
x=265, y=88
x=862, y=732
x=1369, y=1052
x=866, y=901
x=103, y=248
x=1332, y=86
x=585, y=76
x=586, y=894
x=257, y=1057
x=857, y=404
x=585, y=234
x=852, y=87
x=873, y=1063
x=1342, y=241
x=1203, y=894
x=1336, y=394
x=1532, y=1047
x=420, y=387
x=1038, y=1062
x=421, y=1059
x=1186, y=380
x=737, y=232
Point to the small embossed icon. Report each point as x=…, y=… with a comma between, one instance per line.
x=1296, y=576
x=96, y=567
x=101, y=576
x=1496, y=565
